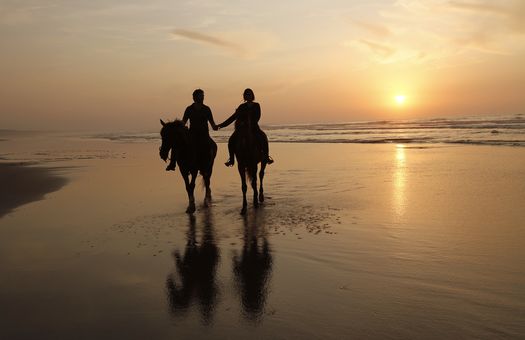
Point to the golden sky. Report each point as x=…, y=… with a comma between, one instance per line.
x=92, y=64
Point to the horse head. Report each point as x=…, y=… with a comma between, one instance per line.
x=168, y=134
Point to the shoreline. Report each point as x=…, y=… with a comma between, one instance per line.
x=23, y=184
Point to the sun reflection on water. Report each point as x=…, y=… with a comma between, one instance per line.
x=399, y=180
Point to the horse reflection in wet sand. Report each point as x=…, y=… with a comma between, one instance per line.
x=252, y=270
x=195, y=274
x=193, y=154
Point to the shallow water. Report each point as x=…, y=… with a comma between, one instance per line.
x=353, y=241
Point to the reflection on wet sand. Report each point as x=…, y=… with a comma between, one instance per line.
x=399, y=181
x=195, y=274
x=252, y=268
x=194, y=280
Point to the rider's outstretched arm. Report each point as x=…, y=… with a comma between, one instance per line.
x=212, y=122
x=230, y=120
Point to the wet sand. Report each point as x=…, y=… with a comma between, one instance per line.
x=353, y=241
x=22, y=184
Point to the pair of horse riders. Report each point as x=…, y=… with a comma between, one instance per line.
x=199, y=115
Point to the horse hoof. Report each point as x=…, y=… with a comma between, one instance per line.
x=243, y=211
x=261, y=198
x=255, y=204
x=190, y=210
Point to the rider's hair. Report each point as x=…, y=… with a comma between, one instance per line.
x=197, y=93
x=248, y=92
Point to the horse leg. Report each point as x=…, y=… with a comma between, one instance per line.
x=207, y=197
x=207, y=176
x=261, y=176
x=185, y=176
x=190, y=188
x=253, y=172
x=242, y=173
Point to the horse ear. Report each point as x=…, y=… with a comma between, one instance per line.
x=162, y=122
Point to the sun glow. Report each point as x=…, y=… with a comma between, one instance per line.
x=400, y=99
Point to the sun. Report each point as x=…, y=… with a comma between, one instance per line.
x=400, y=99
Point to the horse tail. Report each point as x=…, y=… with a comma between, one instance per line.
x=251, y=172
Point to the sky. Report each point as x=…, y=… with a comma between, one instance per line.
x=110, y=64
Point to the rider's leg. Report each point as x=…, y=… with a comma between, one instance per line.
x=265, y=148
x=173, y=161
x=231, y=142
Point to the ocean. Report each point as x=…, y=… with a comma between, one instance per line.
x=506, y=130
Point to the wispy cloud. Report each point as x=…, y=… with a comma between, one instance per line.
x=477, y=6
x=210, y=40
x=498, y=26
x=373, y=28
x=230, y=42
x=436, y=32
x=511, y=13
x=380, y=49
x=480, y=40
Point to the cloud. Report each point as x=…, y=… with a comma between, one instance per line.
x=481, y=40
x=228, y=42
x=481, y=7
x=511, y=13
x=374, y=28
x=210, y=40
x=496, y=27
x=380, y=49
x=435, y=32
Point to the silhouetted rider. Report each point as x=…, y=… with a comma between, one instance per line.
x=248, y=112
x=199, y=115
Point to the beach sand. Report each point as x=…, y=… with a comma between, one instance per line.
x=353, y=241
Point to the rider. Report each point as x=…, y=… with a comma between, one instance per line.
x=249, y=111
x=199, y=115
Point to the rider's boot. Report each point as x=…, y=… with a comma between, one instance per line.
x=230, y=162
x=171, y=166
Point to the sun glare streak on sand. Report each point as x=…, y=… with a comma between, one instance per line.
x=399, y=195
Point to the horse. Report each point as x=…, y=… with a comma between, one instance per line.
x=193, y=155
x=249, y=154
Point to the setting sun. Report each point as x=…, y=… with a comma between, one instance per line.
x=400, y=99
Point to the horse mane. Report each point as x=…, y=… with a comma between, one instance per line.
x=177, y=123
x=178, y=129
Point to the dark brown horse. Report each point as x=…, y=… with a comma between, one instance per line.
x=249, y=153
x=194, y=154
